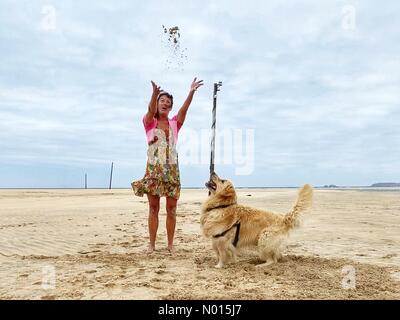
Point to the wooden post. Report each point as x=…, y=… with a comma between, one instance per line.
x=85, y=180
x=112, y=166
x=213, y=125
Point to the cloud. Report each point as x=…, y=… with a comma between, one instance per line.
x=314, y=93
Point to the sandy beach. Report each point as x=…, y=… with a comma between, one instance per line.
x=88, y=244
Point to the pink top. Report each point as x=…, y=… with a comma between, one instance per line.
x=150, y=128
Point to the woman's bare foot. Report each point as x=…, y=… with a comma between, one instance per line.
x=171, y=250
x=150, y=249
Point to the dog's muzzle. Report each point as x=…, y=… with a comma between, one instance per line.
x=211, y=185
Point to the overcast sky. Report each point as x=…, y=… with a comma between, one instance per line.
x=312, y=85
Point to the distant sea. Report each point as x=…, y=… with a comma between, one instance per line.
x=341, y=188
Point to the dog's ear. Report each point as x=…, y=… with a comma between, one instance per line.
x=228, y=192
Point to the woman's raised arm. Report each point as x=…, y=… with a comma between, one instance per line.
x=183, y=110
x=152, y=109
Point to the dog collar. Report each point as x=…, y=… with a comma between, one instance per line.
x=220, y=207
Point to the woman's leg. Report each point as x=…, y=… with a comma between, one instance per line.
x=154, y=208
x=171, y=222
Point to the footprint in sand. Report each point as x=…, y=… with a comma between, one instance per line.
x=91, y=271
x=141, y=271
x=160, y=271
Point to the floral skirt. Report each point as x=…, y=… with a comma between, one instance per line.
x=160, y=180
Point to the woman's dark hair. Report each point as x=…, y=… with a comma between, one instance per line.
x=167, y=95
x=164, y=93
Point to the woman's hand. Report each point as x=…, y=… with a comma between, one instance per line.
x=156, y=89
x=195, y=85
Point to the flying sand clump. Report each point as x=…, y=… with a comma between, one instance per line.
x=176, y=55
x=173, y=33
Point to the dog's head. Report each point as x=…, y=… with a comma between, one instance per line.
x=221, y=188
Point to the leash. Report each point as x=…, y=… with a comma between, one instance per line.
x=236, y=240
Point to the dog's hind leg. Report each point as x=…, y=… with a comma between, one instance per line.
x=278, y=255
x=269, y=258
x=269, y=245
x=267, y=263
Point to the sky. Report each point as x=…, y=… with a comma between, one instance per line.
x=310, y=90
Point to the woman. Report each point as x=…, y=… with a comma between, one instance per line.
x=162, y=171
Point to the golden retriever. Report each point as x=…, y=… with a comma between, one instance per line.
x=232, y=226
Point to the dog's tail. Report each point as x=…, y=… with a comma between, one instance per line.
x=303, y=202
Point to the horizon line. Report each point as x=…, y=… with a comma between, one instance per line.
x=237, y=187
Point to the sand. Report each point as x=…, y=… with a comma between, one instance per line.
x=88, y=244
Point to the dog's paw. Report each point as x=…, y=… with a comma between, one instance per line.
x=264, y=265
x=219, y=266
